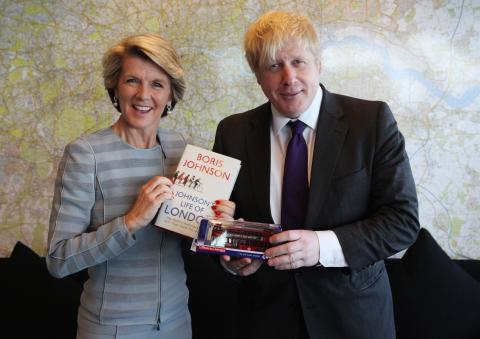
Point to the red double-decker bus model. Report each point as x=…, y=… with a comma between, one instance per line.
x=241, y=238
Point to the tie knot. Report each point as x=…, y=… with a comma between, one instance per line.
x=297, y=126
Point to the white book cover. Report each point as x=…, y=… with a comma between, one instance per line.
x=202, y=176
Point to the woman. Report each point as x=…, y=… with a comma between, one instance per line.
x=109, y=187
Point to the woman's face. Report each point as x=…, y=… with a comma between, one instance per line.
x=143, y=91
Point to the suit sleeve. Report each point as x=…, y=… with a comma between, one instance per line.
x=217, y=145
x=392, y=222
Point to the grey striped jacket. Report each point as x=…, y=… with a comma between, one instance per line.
x=133, y=279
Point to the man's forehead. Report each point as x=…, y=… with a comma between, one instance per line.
x=290, y=49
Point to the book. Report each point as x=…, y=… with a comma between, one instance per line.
x=202, y=176
x=234, y=238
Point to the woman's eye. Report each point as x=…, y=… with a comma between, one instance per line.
x=158, y=84
x=132, y=81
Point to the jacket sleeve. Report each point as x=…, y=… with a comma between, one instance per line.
x=392, y=221
x=73, y=244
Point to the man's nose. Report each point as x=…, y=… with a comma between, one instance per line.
x=288, y=75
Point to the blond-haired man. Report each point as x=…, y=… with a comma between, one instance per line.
x=325, y=276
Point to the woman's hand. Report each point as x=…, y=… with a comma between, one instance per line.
x=224, y=209
x=151, y=196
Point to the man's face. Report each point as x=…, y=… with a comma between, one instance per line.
x=290, y=81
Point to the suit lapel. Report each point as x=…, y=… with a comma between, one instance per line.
x=329, y=138
x=258, y=148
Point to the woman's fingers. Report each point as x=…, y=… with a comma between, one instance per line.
x=224, y=209
x=151, y=196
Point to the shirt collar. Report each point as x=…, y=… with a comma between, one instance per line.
x=309, y=117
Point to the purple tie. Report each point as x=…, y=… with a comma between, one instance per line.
x=295, y=179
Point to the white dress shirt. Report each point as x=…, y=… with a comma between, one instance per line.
x=331, y=254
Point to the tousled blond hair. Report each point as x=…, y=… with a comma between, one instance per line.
x=266, y=36
x=152, y=47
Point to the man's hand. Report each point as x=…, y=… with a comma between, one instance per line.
x=242, y=266
x=297, y=248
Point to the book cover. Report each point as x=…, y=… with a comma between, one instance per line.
x=202, y=176
x=234, y=238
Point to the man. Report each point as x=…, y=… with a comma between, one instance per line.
x=325, y=276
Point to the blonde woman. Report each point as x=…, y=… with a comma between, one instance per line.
x=109, y=187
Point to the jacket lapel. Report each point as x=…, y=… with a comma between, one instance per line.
x=258, y=148
x=330, y=135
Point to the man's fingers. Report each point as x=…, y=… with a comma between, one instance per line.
x=251, y=268
x=285, y=236
x=225, y=258
x=283, y=249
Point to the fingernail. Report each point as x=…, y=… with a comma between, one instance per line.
x=217, y=213
x=217, y=201
x=214, y=207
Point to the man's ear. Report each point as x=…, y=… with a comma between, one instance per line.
x=257, y=76
x=319, y=64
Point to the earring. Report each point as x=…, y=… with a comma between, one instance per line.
x=169, y=109
x=115, y=101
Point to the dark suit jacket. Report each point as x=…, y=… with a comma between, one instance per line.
x=361, y=187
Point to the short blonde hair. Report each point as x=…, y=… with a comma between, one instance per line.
x=151, y=47
x=266, y=36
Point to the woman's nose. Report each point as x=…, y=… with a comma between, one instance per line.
x=142, y=92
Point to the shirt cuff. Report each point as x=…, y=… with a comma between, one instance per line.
x=331, y=253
